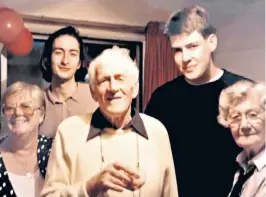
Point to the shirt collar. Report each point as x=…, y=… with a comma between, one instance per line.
x=75, y=96
x=259, y=160
x=99, y=122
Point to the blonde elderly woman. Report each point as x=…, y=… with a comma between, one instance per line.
x=23, y=154
x=116, y=151
x=242, y=109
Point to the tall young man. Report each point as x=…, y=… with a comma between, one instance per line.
x=203, y=151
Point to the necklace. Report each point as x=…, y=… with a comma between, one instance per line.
x=23, y=166
x=137, y=163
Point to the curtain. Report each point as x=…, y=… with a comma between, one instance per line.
x=159, y=65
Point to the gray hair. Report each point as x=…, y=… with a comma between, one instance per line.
x=236, y=94
x=188, y=20
x=110, y=56
x=35, y=93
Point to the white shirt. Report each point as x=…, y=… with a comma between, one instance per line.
x=255, y=186
x=26, y=187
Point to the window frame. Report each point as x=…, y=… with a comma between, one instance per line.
x=41, y=27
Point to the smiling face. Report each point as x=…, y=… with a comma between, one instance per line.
x=114, y=89
x=65, y=60
x=21, y=115
x=193, y=55
x=247, y=123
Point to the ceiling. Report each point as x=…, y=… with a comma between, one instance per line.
x=240, y=23
x=137, y=12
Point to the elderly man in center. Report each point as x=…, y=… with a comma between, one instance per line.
x=116, y=151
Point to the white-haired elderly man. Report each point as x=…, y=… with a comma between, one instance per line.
x=242, y=109
x=116, y=151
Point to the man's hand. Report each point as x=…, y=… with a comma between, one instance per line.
x=116, y=177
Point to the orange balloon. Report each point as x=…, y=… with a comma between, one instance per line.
x=11, y=24
x=22, y=45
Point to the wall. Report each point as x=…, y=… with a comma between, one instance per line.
x=131, y=12
x=249, y=63
x=242, y=42
x=240, y=23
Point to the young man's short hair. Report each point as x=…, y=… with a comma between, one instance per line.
x=188, y=20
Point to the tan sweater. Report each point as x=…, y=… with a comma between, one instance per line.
x=74, y=160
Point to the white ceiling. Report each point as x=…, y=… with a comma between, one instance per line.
x=137, y=12
x=240, y=23
x=134, y=12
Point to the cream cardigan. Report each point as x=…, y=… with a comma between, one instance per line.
x=74, y=160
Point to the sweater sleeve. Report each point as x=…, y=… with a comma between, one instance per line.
x=169, y=180
x=57, y=182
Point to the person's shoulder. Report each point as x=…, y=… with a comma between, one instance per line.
x=75, y=120
x=229, y=78
x=44, y=144
x=152, y=124
x=43, y=152
x=45, y=90
x=47, y=95
x=170, y=85
x=85, y=97
x=83, y=85
x=42, y=139
x=163, y=96
x=83, y=91
x=149, y=119
x=74, y=123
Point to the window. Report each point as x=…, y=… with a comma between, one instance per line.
x=27, y=68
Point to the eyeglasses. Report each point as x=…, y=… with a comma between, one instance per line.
x=251, y=116
x=25, y=108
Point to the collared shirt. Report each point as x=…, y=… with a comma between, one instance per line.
x=99, y=123
x=81, y=102
x=78, y=156
x=255, y=186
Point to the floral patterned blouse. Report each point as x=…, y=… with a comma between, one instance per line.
x=43, y=152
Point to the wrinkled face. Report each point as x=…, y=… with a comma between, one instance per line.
x=247, y=124
x=114, y=89
x=65, y=60
x=21, y=115
x=193, y=53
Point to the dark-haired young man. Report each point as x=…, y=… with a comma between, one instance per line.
x=204, y=152
x=62, y=59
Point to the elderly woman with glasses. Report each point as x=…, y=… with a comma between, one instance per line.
x=242, y=109
x=23, y=153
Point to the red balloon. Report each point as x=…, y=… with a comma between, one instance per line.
x=11, y=25
x=22, y=45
